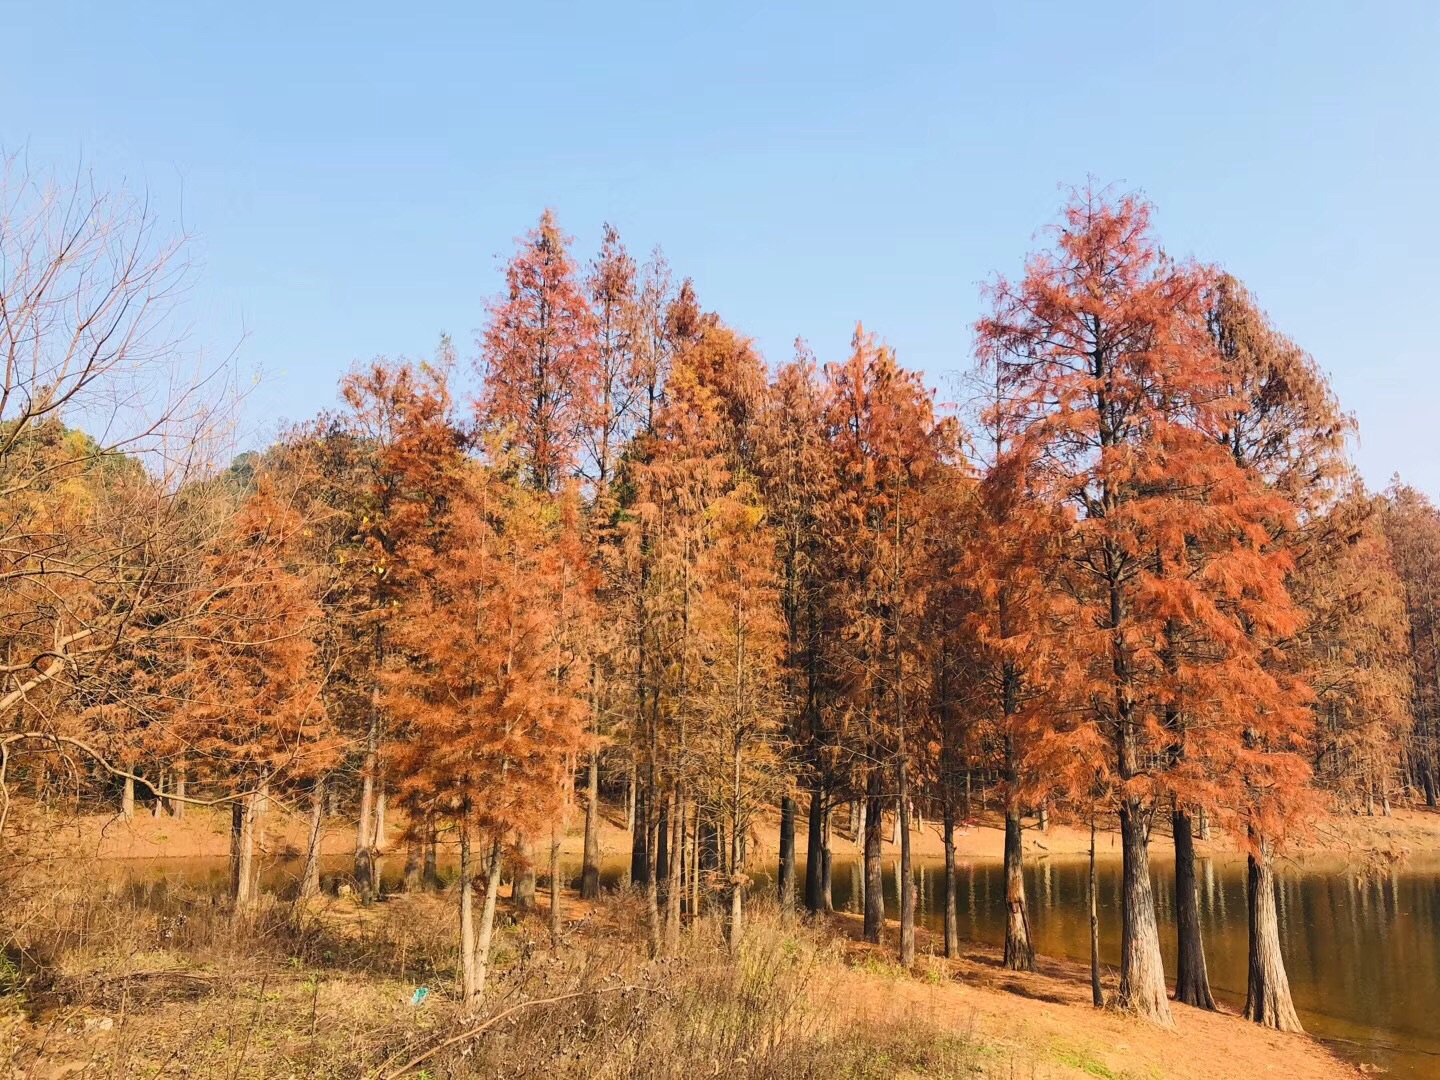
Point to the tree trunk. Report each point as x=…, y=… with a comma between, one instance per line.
x=365, y=870
x=590, y=869
x=907, y=875
x=648, y=821
x=662, y=842
x=1192, y=983
x=487, y=921
x=1142, y=972
x=1267, y=998
x=554, y=884
x=414, y=853
x=785, y=881
x=242, y=851
x=1097, y=995
x=380, y=844
x=127, y=799
x=177, y=805
x=952, y=923
x=310, y=876
x=630, y=799
x=1019, y=949
x=827, y=883
x=469, y=975
x=874, y=885
x=430, y=875
x=860, y=823
x=695, y=864
x=639, y=835
x=673, y=887
x=814, y=846
x=737, y=860
x=522, y=890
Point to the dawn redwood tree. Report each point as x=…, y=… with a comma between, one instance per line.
x=1356, y=653
x=248, y=692
x=398, y=423
x=798, y=483
x=890, y=455
x=613, y=290
x=1104, y=352
x=1280, y=420
x=1008, y=567
x=540, y=360
x=487, y=707
x=1412, y=526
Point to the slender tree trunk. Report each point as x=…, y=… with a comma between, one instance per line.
x=737, y=860
x=242, y=851
x=695, y=864
x=177, y=805
x=907, y=874
x=874, y=885
x=158, y=806
x=469, y=974
x=860, y=823
x=639, y=836
x=814, y=848
x=554, y=884
x=673, y=887
x=430, y=875
x=522, y=890
x=414, y=853
x=310, y=876
x=1097, y=995
x=952, y=923
x=1019, y=949
x=649, y=821
x=827, y=882
x=1192, y=983
x=785, y=882
x=1267, y=999
x=662, y=842
x=630, y=799
x=590, y=869
x=381, y=843
x=365, y=882
x=127, y=799
x=1142, y=971
x=487, y=920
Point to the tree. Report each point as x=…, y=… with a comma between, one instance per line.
x=1104, y=351
x=247, y=698
x=484, y=697
x=889, y=451
x=1281, y=421
x=539, y=358
x=798, y=483
x=1412, y=527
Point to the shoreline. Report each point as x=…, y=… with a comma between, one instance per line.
x=1367, y=844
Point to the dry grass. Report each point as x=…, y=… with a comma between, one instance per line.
x=108, y=979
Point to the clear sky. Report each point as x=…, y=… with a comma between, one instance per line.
x=352, y=171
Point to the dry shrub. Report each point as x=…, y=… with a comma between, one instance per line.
x=155, y=979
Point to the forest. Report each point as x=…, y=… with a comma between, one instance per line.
x=610, y=558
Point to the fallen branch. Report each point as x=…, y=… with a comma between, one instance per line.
x=479, y=1029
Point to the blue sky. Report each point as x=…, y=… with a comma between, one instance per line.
x=351, y=172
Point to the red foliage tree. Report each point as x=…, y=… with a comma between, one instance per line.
x=540, y=359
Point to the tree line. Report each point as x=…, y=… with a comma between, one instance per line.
x=616, y=557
